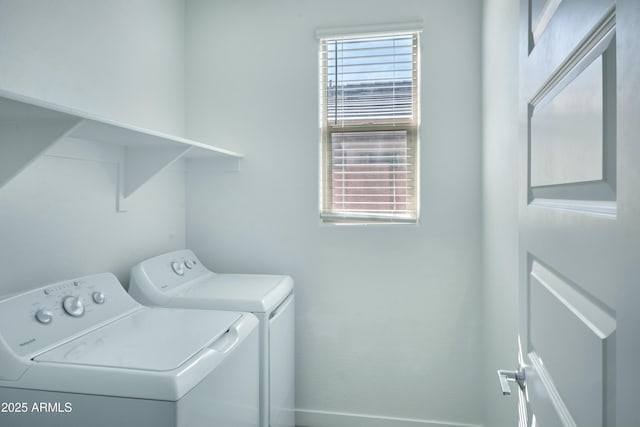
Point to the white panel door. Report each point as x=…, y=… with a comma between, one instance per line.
x=579, y=212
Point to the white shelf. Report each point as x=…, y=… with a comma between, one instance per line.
x=28, y=127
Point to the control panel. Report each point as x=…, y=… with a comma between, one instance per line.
x=168, y=271
x=35, y=320
x=183, y=264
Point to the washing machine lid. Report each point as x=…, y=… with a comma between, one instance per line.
x=151, y=339
x=256, y=293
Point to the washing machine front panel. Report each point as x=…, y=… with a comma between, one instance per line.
x=229, y=397
x=55, y=409
x=281, y=361
x=226, y=397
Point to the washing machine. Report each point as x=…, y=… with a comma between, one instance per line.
x=84, y=353
x=179, y=279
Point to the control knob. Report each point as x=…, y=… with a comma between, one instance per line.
x=178, y=268
x=73, y=305
x=44, y=316
x=189, y=264
x=98, y=297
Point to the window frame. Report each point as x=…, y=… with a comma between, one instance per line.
x=410, y=125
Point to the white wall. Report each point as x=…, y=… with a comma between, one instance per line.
x=120, y=59
x=500, y=212
x=387, y=316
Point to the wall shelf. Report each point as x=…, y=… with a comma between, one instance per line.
x=29, y=127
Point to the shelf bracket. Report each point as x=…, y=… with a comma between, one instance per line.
x=142, y=164
x=22, y=141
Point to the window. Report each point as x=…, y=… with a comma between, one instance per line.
x=369, y=126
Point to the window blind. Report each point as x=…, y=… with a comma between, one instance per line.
x=369, y=120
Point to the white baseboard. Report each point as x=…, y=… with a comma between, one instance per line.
x=312, y=418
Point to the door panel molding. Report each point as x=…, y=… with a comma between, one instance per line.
x=591, y=47
x=572, y=128
x=604, y=209
x=566, y=135
x=544, y=17
x=549, y=408
x=571, y=333
x=594, y=313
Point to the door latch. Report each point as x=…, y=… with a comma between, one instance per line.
x=505, y=376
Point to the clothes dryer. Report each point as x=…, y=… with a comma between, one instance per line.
x=84, y=353
x=179, y=279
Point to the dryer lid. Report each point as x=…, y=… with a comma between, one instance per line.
x=257, y=293
x=151, y=339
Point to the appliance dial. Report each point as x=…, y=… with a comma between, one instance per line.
x=178, y=268
x=98, y=297
x=74, y=306
x=189, y=264
x=44, y=316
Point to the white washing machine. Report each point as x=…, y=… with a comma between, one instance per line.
x=84, y=353
x=179, y=279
